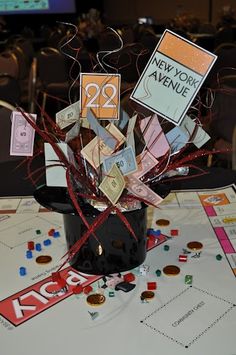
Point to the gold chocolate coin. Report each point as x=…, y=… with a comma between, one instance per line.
x=96, y=299
x=147, y=295
x=43, y=259
x=162, y=222
x=171, y=270
x=194, y=245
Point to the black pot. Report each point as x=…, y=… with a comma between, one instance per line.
x=115, y=249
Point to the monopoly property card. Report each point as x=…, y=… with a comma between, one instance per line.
x=172, y=77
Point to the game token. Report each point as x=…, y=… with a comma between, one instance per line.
x=171, y=270
x=93, y=315
x=183, y=258
x=162, y=222
x=188, y=279
x=194, y=245
x=147, y=295
x=22, y=271
x=29, y=254
x=38, y=247
x=151, y=285
x=30, y=245
x=96, y=299
x=158, y=273
x=43, y=259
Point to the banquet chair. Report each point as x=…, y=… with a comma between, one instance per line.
x=55, y=36
x=224, y=46
x=32, y=86
x=223, y=35
x=9, y=89
x=9, y=64
x=23, y=50
x=25, y=44
x=226, y=58
x=53, y=75
x=73, y=47
x=23, y=63
x=222, y=127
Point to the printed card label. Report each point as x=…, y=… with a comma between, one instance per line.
x=22, y=135
x=172, y=77
x=101, y=94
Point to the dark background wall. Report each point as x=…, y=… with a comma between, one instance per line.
x=129, y=10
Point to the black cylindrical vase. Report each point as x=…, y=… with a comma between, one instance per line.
x=115, y=249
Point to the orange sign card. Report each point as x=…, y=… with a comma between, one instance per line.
x=172, y=77
x=101, y=94
x=183, y=51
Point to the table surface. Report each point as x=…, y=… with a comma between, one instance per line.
x=193, y=319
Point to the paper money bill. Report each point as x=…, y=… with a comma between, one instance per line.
x=124, y=159
x=146, y=162
x=139, y=189
x=123, y=120
x=68, y=115
x=113, y=184
x=73, y=132
x=97, y=150
x=196, y=134
x=22, y=135
x=100, y=131
x=154, y=137
x=177, y=139
x=130, y=132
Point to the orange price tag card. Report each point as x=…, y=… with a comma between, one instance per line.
x=101, y=94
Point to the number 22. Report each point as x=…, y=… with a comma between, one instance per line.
x=100, y=91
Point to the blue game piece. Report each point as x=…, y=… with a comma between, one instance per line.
x=56, y=234
x=29, y=254
x=22, y=271
x=38, y=247
x=150, y=231
x=47, y=242
x=156, y=233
